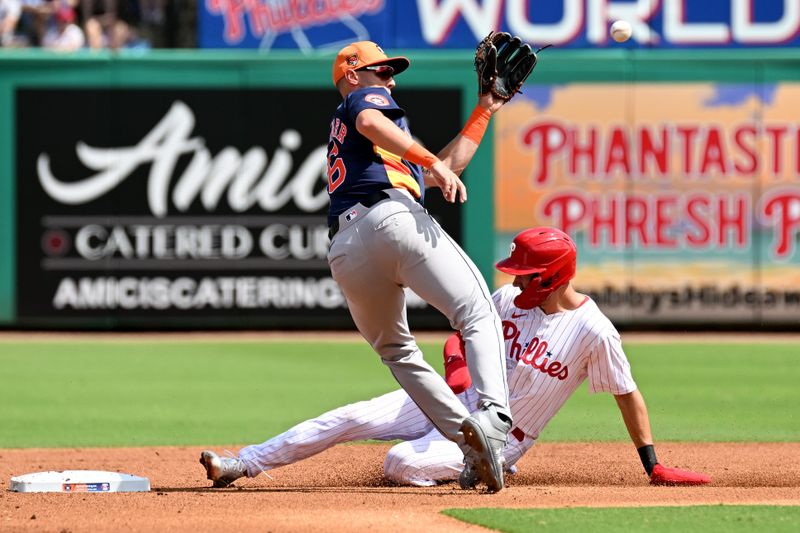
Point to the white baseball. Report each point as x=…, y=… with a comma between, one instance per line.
x=621, y=31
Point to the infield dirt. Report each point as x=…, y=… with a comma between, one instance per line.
x=343, y=489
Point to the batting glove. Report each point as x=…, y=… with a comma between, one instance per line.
x=663, y=475
x=456, y=373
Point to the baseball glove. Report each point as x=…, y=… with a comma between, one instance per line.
x=503, y=63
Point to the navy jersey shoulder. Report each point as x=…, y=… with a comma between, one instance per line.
x=358, y=168
x=371, y=98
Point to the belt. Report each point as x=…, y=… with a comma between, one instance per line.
x=372, y=199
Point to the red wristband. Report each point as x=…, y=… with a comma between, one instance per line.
x=420, y=156
x=477, y=124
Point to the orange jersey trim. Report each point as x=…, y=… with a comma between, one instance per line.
x=398, y=173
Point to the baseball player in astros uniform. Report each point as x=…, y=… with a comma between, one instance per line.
x=383, y=240
x=555, y=338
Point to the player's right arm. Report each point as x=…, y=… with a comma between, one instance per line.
x=380, y=130
x=634, y=413
x=631, y=405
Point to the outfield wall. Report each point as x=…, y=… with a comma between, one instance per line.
x=186, y=189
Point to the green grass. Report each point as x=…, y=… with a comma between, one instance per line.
x=697, y=392
x=151, y=393
x=114, y=393
x=705, y=518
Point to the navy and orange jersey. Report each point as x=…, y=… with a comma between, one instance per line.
x=356, y=166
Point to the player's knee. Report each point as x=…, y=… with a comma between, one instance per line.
x=359, y=415
x=399, y=354
x=472, y=315
x=405, y=466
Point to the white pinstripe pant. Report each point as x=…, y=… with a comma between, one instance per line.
x=424, y=459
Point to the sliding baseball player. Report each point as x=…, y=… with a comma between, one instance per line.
x=555, y=339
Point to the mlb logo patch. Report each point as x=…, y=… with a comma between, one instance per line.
x=351, y=215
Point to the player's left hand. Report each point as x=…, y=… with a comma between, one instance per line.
x=503, y=63
x=490, y=102
x=456, y=373
x=663, y=475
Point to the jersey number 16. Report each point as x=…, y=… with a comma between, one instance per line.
x=336, y=168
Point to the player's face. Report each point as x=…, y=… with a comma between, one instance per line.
x=521, y=282
x=376, y=76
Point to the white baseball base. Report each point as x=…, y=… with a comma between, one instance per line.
x=79, y=481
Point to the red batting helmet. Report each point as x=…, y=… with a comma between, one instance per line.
x=547, y=253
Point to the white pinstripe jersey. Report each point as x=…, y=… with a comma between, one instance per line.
x=549, y=356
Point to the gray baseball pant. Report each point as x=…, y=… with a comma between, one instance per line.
x=396, y=244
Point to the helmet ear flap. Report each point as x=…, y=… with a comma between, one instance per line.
x=538, y=290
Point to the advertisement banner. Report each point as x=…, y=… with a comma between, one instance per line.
x=321, y=25
x=290, y=24
x=683, y=198
x=159, y=207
